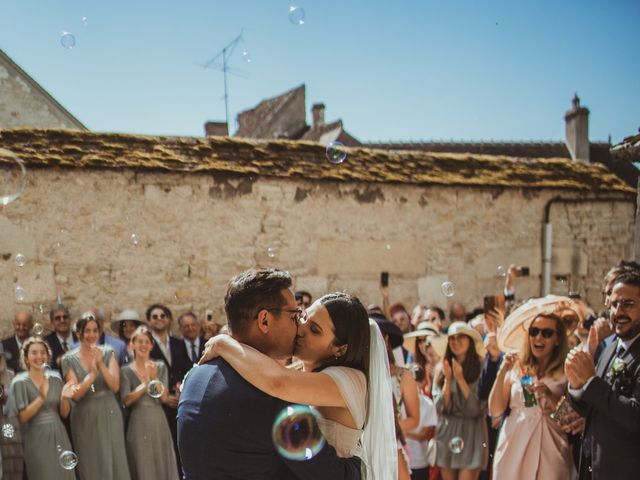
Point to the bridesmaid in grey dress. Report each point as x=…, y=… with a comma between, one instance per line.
x=39, y=398
x=97, y=427
x=149, y=443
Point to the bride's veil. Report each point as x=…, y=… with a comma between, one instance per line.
x=379, y=447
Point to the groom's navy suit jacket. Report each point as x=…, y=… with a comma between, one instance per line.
x=224, y=432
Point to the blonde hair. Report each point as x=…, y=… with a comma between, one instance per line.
x=141, y=330
x=26, y=345
x=556, y=363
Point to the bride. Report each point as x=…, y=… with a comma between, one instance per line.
x=344, y=375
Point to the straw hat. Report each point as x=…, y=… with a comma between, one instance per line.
x=515, y=329
x=462, y=328
x=424, y=329
x=128, y=314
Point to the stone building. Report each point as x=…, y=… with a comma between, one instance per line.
x=24, y=103
x=122, y=221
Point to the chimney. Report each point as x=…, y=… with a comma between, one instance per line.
x=216, y=129
x=317, y=114
x=577, y=131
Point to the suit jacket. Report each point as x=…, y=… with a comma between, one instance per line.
x=10, y=345
x=180, y=362
x=199, y=350
x=612, y=410
x=216, y=400
x=57, y=350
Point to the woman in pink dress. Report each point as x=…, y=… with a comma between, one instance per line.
x=531, y=445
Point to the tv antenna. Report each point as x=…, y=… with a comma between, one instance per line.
x=221, y=62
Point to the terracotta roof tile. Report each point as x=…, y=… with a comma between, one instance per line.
x=303, y=160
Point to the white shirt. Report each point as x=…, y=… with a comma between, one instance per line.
x=428, y=418
x=188, y=343
x=69, y=340
x=164, y=347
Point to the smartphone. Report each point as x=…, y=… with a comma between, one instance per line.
x=523, y=271
x=493, y=301
x=209, y=315
x=384, y=279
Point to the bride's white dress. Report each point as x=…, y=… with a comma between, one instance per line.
x=353, y=387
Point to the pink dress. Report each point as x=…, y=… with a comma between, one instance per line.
x=531, y=446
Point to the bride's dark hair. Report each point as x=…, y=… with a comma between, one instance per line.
x=351, y=327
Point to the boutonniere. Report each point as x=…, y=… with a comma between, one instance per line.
x=617, y=367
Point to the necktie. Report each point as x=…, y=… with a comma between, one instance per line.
x=65, y=347
x=194, y=355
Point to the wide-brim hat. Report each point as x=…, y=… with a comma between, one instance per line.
x=515, y=329
x=388, y=327
x=461, y=328
x=128, y=314
x=424, y=329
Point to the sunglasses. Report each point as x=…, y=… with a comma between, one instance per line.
x=158, y=317
x=546, y=332
x=61, y=317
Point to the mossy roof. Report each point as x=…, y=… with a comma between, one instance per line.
x=298, y=159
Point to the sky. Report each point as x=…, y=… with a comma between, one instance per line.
x=391, y=70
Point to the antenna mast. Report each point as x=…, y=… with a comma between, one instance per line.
x=223, y=56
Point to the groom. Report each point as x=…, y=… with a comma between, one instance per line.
x=224, y=423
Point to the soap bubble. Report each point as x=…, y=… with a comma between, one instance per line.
x=68, y=460
x=387, y=246
x=13, y=177
x=8, y=430
x=336, y=152
x=20, y=295
x=448, y=289
x=271, y=252
x=85, y=21
x=246, y=56
x=20, y=260
x=67, y=40
x=135, y=239
x=456, y=445
x=296, y=15
x=155, y=388
x=41, y=308
x=501, y=271
x=296, y=434
x=37, y=329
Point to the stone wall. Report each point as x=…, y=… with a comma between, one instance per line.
x=121, y=238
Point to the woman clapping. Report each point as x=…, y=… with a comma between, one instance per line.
x=39, y=399
x=97, y=427
x=144, y=385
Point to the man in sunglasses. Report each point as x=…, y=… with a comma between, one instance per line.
x=61, y=339
x=608, y=394
x=173, y=352
x=224, y=423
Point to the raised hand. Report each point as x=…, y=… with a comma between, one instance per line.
x=446, y=369
x=508, y=361
x=209, y=352
x=69, y=389
x=151, y=369
x=457, y=370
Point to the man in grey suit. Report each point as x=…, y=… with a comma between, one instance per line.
x=608, y=394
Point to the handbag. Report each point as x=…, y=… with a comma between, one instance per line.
x=431, y=451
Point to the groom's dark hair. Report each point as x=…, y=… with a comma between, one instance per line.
x=252, y=291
